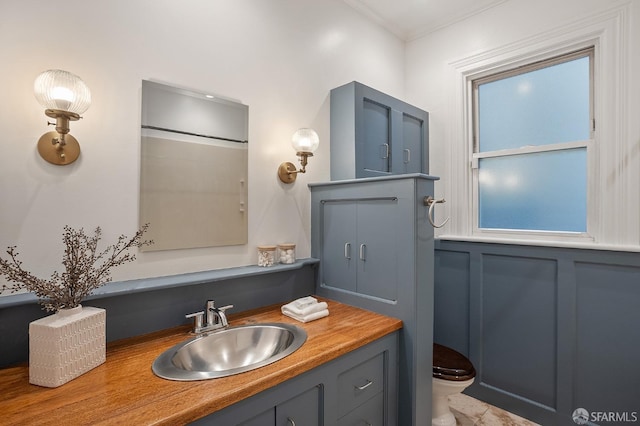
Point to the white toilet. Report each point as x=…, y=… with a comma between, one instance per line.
x=452, y=373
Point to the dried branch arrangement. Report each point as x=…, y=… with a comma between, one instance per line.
x=85, y=269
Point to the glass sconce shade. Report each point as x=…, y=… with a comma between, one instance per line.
x=62, y=90
x=305, y=140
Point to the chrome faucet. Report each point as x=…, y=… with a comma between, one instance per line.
x=211, y=318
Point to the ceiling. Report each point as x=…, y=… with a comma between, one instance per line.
x=411, y=19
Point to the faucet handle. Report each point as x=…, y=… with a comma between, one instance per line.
x=197, y=320
x=224, y=308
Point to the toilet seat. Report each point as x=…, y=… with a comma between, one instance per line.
x=449, y=364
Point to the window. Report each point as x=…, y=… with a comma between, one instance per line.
x=611, y=152
x=533, y=132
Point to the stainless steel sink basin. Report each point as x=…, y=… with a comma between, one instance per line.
x=229, y=351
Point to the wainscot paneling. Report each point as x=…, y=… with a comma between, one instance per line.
x=549, y=330
x=518, y=323
x=452, y=307
x=608, y=337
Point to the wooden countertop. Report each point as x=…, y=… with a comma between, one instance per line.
x=124, y=390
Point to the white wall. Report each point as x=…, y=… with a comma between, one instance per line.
x=431, y=79
x=280, y=57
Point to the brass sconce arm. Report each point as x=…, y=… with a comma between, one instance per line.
x=287, y=171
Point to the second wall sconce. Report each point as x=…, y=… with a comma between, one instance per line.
x=65, y=96
x=305, y=142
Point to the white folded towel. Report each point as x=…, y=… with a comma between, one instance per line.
x=302, y=303
x=306, y=309
x=310, y=317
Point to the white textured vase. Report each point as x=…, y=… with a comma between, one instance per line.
x=66, y=345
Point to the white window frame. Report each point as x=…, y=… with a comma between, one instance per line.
x=588, y=144
x=613, y=187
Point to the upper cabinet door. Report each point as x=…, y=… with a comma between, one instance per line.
x=415, y=131
x=374, y=134
x=374, y=144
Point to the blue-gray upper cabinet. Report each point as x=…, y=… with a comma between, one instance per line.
x=374, y=134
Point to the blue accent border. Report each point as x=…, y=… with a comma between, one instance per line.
x=119, y=288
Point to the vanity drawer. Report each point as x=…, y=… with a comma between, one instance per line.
x=370, y=413
x=358, y=384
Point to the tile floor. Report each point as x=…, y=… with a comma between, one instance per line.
x=471, y=412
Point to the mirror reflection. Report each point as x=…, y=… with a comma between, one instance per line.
x=193, y=174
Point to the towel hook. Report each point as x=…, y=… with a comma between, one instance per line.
x=431, y=203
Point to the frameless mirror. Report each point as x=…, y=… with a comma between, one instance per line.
x=193, y=174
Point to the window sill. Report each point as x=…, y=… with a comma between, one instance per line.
x=541, y=243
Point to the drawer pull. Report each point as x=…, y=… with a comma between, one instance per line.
x=363, y=387
x=290, y=421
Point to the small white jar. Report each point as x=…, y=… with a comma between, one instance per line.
x=287, y=253
x=266, y=255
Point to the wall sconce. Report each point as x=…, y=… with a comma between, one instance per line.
x=305, y=142
x=65, y=97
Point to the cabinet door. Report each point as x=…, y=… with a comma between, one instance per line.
x=378, y=248
x=339, y=244
x=303, y=410
x=414, y=144
x=375, y=139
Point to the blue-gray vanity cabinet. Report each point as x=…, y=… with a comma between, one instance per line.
x=353, y=389
x=374, y=134
x=395, y=277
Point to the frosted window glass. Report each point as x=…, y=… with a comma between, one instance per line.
x=545, y=106
x=541, y=191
